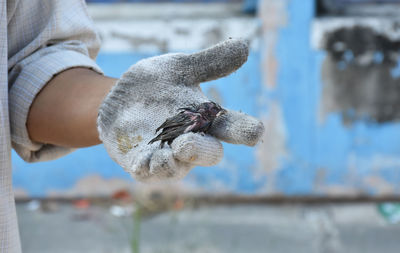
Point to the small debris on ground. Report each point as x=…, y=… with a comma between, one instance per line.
x=81, y=203
x=121, y=211
x=49, y=206
x=122, y=195
x=390, y=211
x=33, y=205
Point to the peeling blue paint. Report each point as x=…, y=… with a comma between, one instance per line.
x=297, y=94
x=328, y=145
x=395, y=72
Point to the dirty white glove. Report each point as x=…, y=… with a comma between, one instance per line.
x=151, y=91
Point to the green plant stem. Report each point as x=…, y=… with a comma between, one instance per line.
x=137, y=217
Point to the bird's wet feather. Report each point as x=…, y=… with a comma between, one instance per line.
x=194, y=118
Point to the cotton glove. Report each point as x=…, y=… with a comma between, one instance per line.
x=151, y=91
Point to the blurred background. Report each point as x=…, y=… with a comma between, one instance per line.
x=324, y=77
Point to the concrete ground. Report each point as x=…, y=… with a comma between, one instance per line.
x=325, y=228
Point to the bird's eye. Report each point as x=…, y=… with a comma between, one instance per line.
x=214, y=110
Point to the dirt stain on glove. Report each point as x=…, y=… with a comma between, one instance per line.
x=126, y=143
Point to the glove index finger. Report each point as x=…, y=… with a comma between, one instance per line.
x=218, y=61
x=237, y=128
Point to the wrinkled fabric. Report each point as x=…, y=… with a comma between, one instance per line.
x=38, y=39
x=128, y=119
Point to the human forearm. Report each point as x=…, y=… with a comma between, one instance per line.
x=64, y=113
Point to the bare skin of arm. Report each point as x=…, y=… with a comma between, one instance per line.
x=64, y=113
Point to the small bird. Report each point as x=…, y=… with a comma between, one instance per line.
x=194, y=118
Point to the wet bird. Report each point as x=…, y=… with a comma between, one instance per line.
x=194, y=118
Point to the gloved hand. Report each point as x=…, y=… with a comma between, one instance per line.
x=151, y=91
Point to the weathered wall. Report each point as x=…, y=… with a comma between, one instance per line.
x=330, y=110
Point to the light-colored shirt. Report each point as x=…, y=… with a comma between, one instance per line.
x=38, y=39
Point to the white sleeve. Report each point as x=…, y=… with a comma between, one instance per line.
x=45, y=38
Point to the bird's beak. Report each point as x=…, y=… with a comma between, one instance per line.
x=222, y=112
